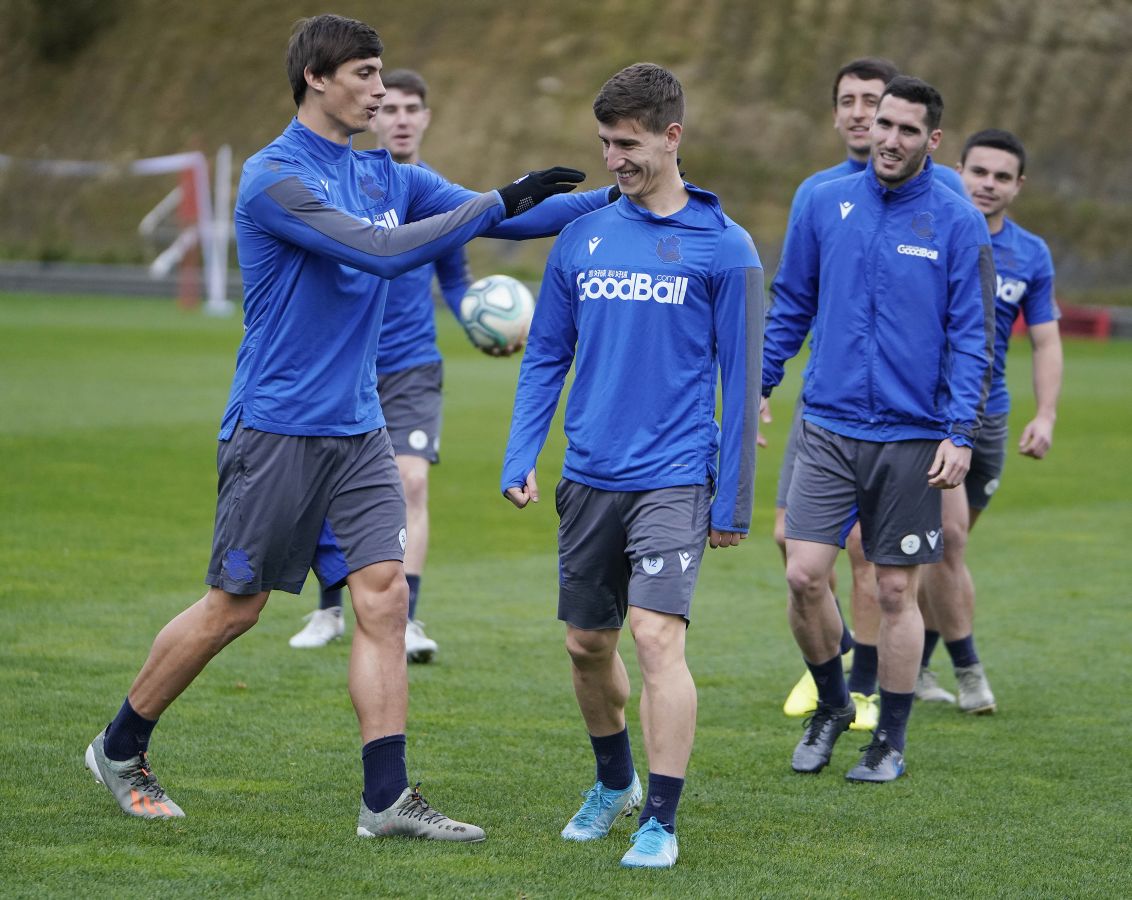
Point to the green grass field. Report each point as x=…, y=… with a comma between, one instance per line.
x=107, y=436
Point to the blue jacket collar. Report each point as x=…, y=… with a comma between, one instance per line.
x=317, y=146
x=701, y=211
x=909, y=189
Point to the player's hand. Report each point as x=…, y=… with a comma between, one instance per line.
x=765, y=418
x=725, y=538
x=1037, y=437
x=502, y=351
x=950, y=465
x=534, y=187
x=528, y=493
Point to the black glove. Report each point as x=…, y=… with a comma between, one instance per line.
x=615, y=191
x=534, y=187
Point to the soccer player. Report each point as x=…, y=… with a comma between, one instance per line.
x=993, y=168
x=307, y=475
x=410, y=372
x=646, y=298
x=893, y=272
x=857, y=89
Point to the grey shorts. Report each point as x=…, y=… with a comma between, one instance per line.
x=287, y=504
x=638, y=548
x=839, y=480
x=411, y=402
x=988, y=459
x=789, y=455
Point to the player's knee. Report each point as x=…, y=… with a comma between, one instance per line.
x=806, y=585
x=380, y=597
x=415, y=484
x=230, y=615
x=589, y=649
x=954, y=542
x=895, y=595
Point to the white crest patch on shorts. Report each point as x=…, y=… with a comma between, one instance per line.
x=992, y=486
x=418, y=440
x=652, y=564
x=402, y=537
x=910, y=543
x=436, y=444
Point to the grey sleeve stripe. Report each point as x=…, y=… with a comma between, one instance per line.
x=756, y=313
x=296, y=198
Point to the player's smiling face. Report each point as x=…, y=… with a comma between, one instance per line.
x=991, y=178
x=857, y=101
x=400, y=125
x=349, y=99
x=901, y=140
x=644, y=162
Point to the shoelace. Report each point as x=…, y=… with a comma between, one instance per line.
x=875, y=752
x=816, y=723
x=649, y=838
x=141, y=776
x=417, y=807
x=597, y=801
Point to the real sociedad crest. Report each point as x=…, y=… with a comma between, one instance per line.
x=668, y=249
x=923, y=225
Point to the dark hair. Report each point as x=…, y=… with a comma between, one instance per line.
x=646, y=92
x=999, y=140
x=323, y=43
x=916, y=91
x=407, y=81
x=867, y=68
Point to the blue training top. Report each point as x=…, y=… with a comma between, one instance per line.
x=320, y=230
x=1024, y=284
x=647, y=308
x=898, y=287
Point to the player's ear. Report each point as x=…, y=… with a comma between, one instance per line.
x=318, y=82
x=933, y=140
x=426, y=117
x=672, y=135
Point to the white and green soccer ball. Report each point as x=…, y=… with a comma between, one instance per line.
x=496, y=313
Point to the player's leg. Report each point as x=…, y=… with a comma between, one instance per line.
x=366, y=520
x=803, y=697
x=419, y=647
x=412, y=402
x=901, y=524
x=866, y=625
x=667, y=532
x=263, y=539
x=821, y=509
x=592, y=600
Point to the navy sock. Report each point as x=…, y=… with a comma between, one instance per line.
x=414, y=590
x=128, y=735
x=329, y=598
x=614, y=760
x=661, y=800
x=830, y=679
x=846, y=634
x=894, y=712
x=863, y=674
x=383, y=771
x=963, y=652
x=931, y=638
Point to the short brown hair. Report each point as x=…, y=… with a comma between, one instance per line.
x=645, y=92
x=407, y=81
x=867, y=68
x=323, y=43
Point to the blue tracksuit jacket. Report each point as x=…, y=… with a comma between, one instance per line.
x=898, y=286
x=647, y=308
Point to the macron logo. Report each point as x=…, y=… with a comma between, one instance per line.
x=933, y=538
x=594, y=241
x=846, y=208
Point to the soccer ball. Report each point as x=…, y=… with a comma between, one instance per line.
x=496, y=313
